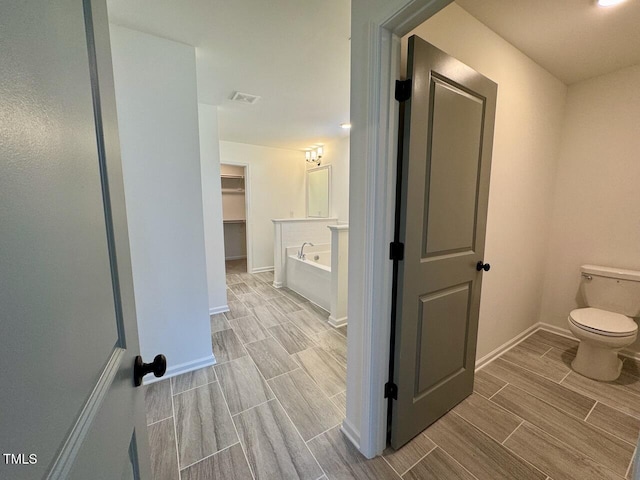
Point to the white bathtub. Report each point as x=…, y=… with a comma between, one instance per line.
x=311, y=277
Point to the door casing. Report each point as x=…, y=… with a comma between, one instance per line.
x=247, y=200
x=372, y=179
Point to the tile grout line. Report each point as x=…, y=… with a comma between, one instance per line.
x=250, y=408
x=275, y=397
x=501, y=388
x=339, y=407
x=269, y=335
x=592, y=408
x=635, y=451
x=514, y=431
x=282, y=374
x=262, y=339
x=391, y=466
x=175, y=428
x=553, y=436
x=224, y=398
x=313, y=379
x=533, y=371
x=531, y=464
x=454, y=460
x=603, y=431
x=322, y=433
x=421, y=458
x=565, y=377
x=193, y=388
x=210, y=455
x=282, y=344
x=565, y=444
x=542, y=398
x=550, y=348
x=158, y=421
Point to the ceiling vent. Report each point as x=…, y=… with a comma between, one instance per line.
x=245, y=98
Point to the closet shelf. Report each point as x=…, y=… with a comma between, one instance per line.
x=231, y=176
x=239, y=220
x=233, y=190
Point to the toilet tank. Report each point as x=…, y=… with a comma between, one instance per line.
x=613, y=289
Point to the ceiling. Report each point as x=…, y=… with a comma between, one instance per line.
x=572, y=39
x=294, y=54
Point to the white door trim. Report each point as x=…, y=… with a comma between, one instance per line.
x=373, y=158
x=247, y=202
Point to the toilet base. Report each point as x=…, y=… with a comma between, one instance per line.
x=597, y=362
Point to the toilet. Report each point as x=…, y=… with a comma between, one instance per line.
x=606, y=326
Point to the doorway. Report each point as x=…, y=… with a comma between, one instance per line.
x=446, y=144
x=233, y=183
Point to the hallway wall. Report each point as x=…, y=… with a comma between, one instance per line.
x=155, y=86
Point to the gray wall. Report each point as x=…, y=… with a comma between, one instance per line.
x=155, y=82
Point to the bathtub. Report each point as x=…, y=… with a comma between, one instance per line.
x=311, y=277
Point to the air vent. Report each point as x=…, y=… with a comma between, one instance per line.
x=246, y=98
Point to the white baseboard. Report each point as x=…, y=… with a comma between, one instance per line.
x=529, y=331
x=337, y=322
x=262, y=269
x=278, y=284
x=567, y=333
x=557, y=330
x=175, y=370
x=236, y=257
x=506, y=346
x=350, y=433
x=220, y=309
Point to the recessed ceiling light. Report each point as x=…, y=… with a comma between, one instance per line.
x=346, y=126
x=609, y=3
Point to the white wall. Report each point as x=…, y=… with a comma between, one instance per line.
x=596, y=216
x=275, y=187
x=530, y=109
x=336, y=154
x=212, y=208
x=155, y=85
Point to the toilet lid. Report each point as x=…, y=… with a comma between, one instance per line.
x=603, y=322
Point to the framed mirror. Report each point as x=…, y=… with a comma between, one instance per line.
x=319, y=192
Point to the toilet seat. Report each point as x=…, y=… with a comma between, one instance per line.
x=603, y=322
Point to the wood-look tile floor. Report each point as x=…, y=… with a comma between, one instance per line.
x=272, y=407
x=236, y=266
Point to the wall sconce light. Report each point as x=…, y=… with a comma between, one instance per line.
x=314, y=155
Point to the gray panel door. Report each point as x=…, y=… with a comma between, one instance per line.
x=446, y=157
x=69, y=408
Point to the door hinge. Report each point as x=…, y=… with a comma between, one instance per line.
x=403, y=90
x=391, y=390
x=396, y=251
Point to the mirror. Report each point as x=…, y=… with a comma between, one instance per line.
x=318, y=191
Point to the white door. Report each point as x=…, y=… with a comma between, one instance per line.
x=68, y=405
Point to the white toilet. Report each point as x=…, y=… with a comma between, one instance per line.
x=606, y=326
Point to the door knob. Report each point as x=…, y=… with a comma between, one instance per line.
x=140, y=369
x=482, y=266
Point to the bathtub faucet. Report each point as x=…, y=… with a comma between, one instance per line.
x=301, y=254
